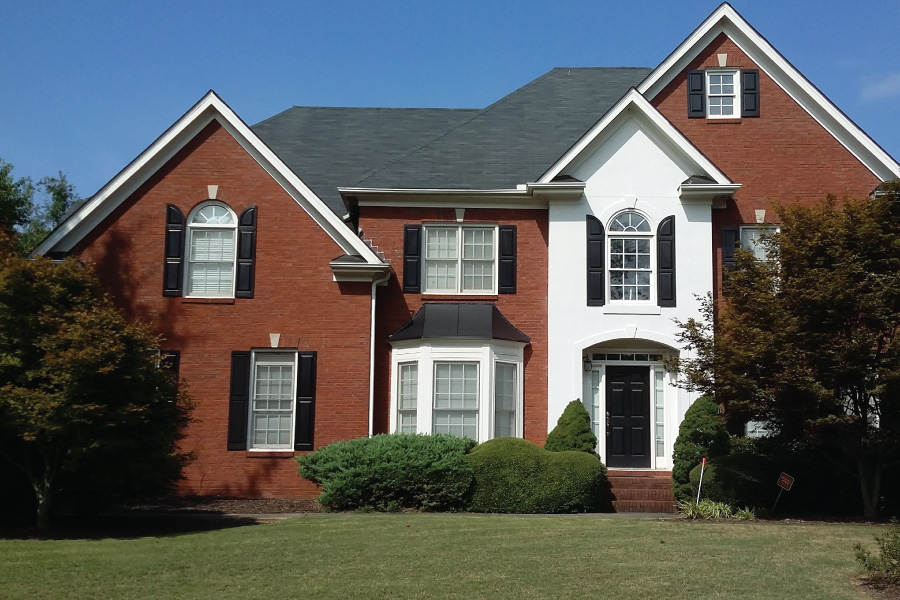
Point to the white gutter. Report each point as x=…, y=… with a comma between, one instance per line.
x=375, y=284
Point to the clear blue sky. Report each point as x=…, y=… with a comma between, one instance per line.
x=88, y=85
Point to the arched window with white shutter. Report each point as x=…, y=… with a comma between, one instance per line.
x=211, y=242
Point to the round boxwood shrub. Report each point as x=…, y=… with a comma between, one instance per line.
x=516, y=476
x=392, y=472
x=702, y=433
x=572, y=431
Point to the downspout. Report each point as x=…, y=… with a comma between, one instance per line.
x=375, y=284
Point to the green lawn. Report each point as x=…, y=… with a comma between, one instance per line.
x=448, y=556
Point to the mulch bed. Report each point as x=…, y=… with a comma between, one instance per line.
x=877, y=590
x=224, y=505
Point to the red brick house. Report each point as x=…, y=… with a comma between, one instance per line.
x=332, y=273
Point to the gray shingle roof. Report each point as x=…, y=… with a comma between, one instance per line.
x=510, y=142
x=329, y=147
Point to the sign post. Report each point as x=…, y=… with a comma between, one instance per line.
x=785, y=482
x=700, y=485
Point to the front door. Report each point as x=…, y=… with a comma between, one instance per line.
x=628, y=417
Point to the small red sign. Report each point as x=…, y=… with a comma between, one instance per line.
x=785, y=481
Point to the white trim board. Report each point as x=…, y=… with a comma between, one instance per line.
x=726, y=19
x=210, y=108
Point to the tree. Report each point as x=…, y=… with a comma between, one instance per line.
x=45, y=216
x=572, y=431
x=16, y=198
x=808, y=340
x=81, y=390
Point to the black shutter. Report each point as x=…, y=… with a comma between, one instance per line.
x=412, y=258
x=729, y=241
x=173, y=266
x=750, y=93
x=239, y=402
x=306, y=398
x=696, y=84
x=665, y=262
x=246, y=254
x=507, y=259
x=596, y=253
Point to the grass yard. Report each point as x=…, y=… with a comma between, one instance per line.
x=448, y=556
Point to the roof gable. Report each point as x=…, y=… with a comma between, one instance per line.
x=635, y=106
x=726, y=20
x=210, y=108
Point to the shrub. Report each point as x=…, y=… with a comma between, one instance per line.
x=886, y=567
x=709, y=509
x=516, y=476
x=702, y=433
x=572, y=431
x=392, y=472
x=739, y=479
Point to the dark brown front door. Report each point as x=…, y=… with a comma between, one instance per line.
x=628, y=417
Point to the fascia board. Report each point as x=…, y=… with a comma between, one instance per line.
x=728, y=21
x=209, y=108
x=520, y=198
x=609, y=122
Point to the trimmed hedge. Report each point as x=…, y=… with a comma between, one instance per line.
x=572, y=431
x=516, y=476
x=392, y=472
x=702, y=433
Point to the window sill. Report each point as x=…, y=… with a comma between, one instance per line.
x=207, y=300
x=730, y=121
x=271, y=454
x=631, y=309
x=458, y=297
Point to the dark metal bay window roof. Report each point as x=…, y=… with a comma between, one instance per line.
x=463, y=320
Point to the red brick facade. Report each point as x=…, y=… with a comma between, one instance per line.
x=783, y=154
x=526, y=309
x=295, y=295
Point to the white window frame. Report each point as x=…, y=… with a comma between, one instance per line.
x=259, y=358
x=401, y=411
x=618, y=235
x=191, y=228
x=736, y=96
x=759, y=229
x=487, y=353
x=459, y=290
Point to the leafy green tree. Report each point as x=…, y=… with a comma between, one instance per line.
x=16, y=198
x=82, y=396
x=44, y=217
x=808, y=340
x=572, y=431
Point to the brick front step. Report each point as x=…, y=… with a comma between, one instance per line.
x=643, y=506
x=641, y=491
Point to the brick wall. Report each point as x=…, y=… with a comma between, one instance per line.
x=782, y=155
x=526, y=309
x=294, y=296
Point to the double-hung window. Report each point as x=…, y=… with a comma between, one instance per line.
x=630, y=269
x=407, y=397
x=212, y=232
x=723, y=99
x=456, y=399
x=751, y=239
x=272, y=400
x=460, y=259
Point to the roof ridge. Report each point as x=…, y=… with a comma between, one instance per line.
x=458, y=125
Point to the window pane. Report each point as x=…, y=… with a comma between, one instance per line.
x=440, y=242
x=505, y=400
x=478, y=243
x=440, y=275
x=407, y=397
x=213, y=214
x=457, y=422
x=272, y=404
x=456, y=399
x=478, y=276
x=210, y=279
x=659, y=395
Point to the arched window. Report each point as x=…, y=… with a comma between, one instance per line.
x=212, y=231
x=630, y=269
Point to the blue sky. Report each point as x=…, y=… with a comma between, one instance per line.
x=88, y=85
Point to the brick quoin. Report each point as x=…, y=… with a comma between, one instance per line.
x=295, y=295
x=783, y=155
x=526, y=309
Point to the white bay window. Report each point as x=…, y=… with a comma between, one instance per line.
x=458, y=388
